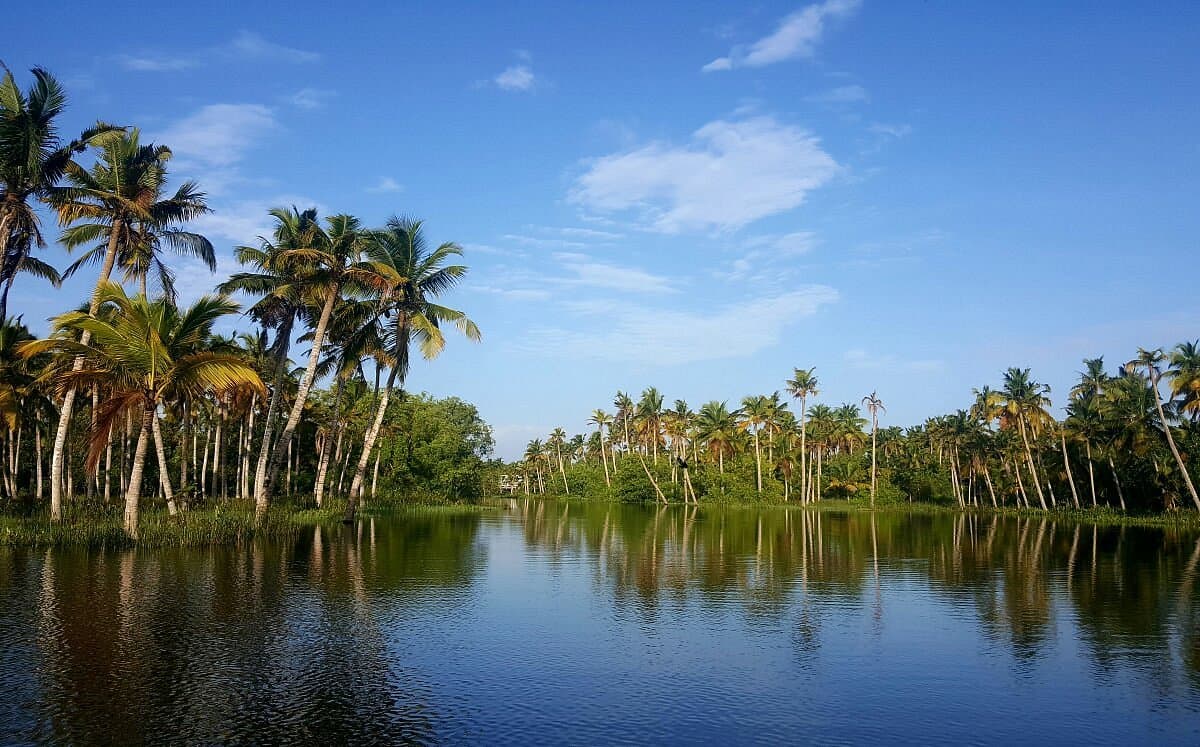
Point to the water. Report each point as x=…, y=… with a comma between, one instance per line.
x=569, y=623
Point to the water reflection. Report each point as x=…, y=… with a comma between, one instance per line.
x=289, y=640
x=586, y=623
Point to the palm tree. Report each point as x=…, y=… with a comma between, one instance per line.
x=602, y=420
x=333, y=258
x=717, y=426
x=108, y=203
x=1084, y=421
x=1025, y=402
x=283, y=283
x=624, y=406
x=406, y=276
x=1185, y=377
x=649, y=416
x=1151, y=361
x=756, y=411
x=558, y=439
x=802, y=385
x=32, y=162
x=823, y=422
x=873, y=405
x=141, y=352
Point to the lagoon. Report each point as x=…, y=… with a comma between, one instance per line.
x=549, y=622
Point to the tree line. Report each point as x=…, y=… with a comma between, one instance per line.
x=1125, y=440
x=132, y=384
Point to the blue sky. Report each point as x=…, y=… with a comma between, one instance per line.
x=697, y=196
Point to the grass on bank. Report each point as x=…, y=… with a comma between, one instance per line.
x=221, y=523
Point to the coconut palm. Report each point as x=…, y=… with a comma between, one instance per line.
x=1150, y=362
x=142, y=352
x=333, y=259
x=873, y=405
x=108, y=203
x=33, y=159
x=1025, y=401
x=717, y=427
x=802, y=385
x=648, y=414
x=602, y=420
x=755, y=413
x=405, y=276
x=1184, y=374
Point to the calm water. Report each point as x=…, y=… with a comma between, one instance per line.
x=555, y=623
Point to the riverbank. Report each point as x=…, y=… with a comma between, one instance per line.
x=1102, y=515
x=226, y=523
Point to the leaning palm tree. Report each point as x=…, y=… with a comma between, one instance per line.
x=334, y=258
x=141, y=352
x=802, y=385
x=873, y=405
x=557, y=440
x=406, y=276
x=1151, y=362
x=33, y=160
x=107, y=204
x=1025, y=401
x=282, y=284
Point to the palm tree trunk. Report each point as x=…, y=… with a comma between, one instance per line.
x=1091, y=471
x=1187, y=478
x=68, y=406
x=283, y=341
x=375, y=475
x=991, y=491
x=1117, y=480
x=1032, y=468
x=803, y=451
x=757, y=462
x=164, y=476
x=133, y=494
x=604, y=459
x=874, y=428
x=1067, y=463
x=37, y=460
x=262, y=498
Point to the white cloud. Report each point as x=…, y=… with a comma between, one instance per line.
x=386, y=184
x=245, y=46
x=841, y=95
x=243, y=222
x=797, y=36
x=310, y=98
x=218, y=134
x=154, y=64
x=732, y=173
x=515, y=294
x=589, y=272
x=250, y=46
x=786, y=244
x=665, y=337
x=536, y=242
x=896, y=131
x=580, y=233
x=516, y=78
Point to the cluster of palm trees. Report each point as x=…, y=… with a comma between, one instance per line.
x=155, y=372
x=787, y=454
x=1125, y=441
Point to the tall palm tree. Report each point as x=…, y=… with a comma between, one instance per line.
x=108, y=203
x=141, y=352
x=624, y=406
x=802, y=385
x=717, y=427
x=406, y=276
x=602, y=420
x=282, y=282
x=1150, y=361
x=649, y=416
x=873, y=405
x=756, y=411
x=556, y=441
x=33, y=159
x=1025, y=402
x=334, y=261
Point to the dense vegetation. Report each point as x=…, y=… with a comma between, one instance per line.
x=1123, y=443
x=136, y=389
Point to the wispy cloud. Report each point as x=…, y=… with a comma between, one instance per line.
x=245, y=46
x=583, y=270
x=853, y=94
x=661, y=337
x=796, y=37
x=732, y=173
x=516, y=78
x=210, y=142
x=514, y=294
x=861, y=359
x=541, y=242
x=386, y=184
x=310, y=98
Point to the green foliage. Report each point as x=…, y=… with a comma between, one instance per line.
x=434, y=449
